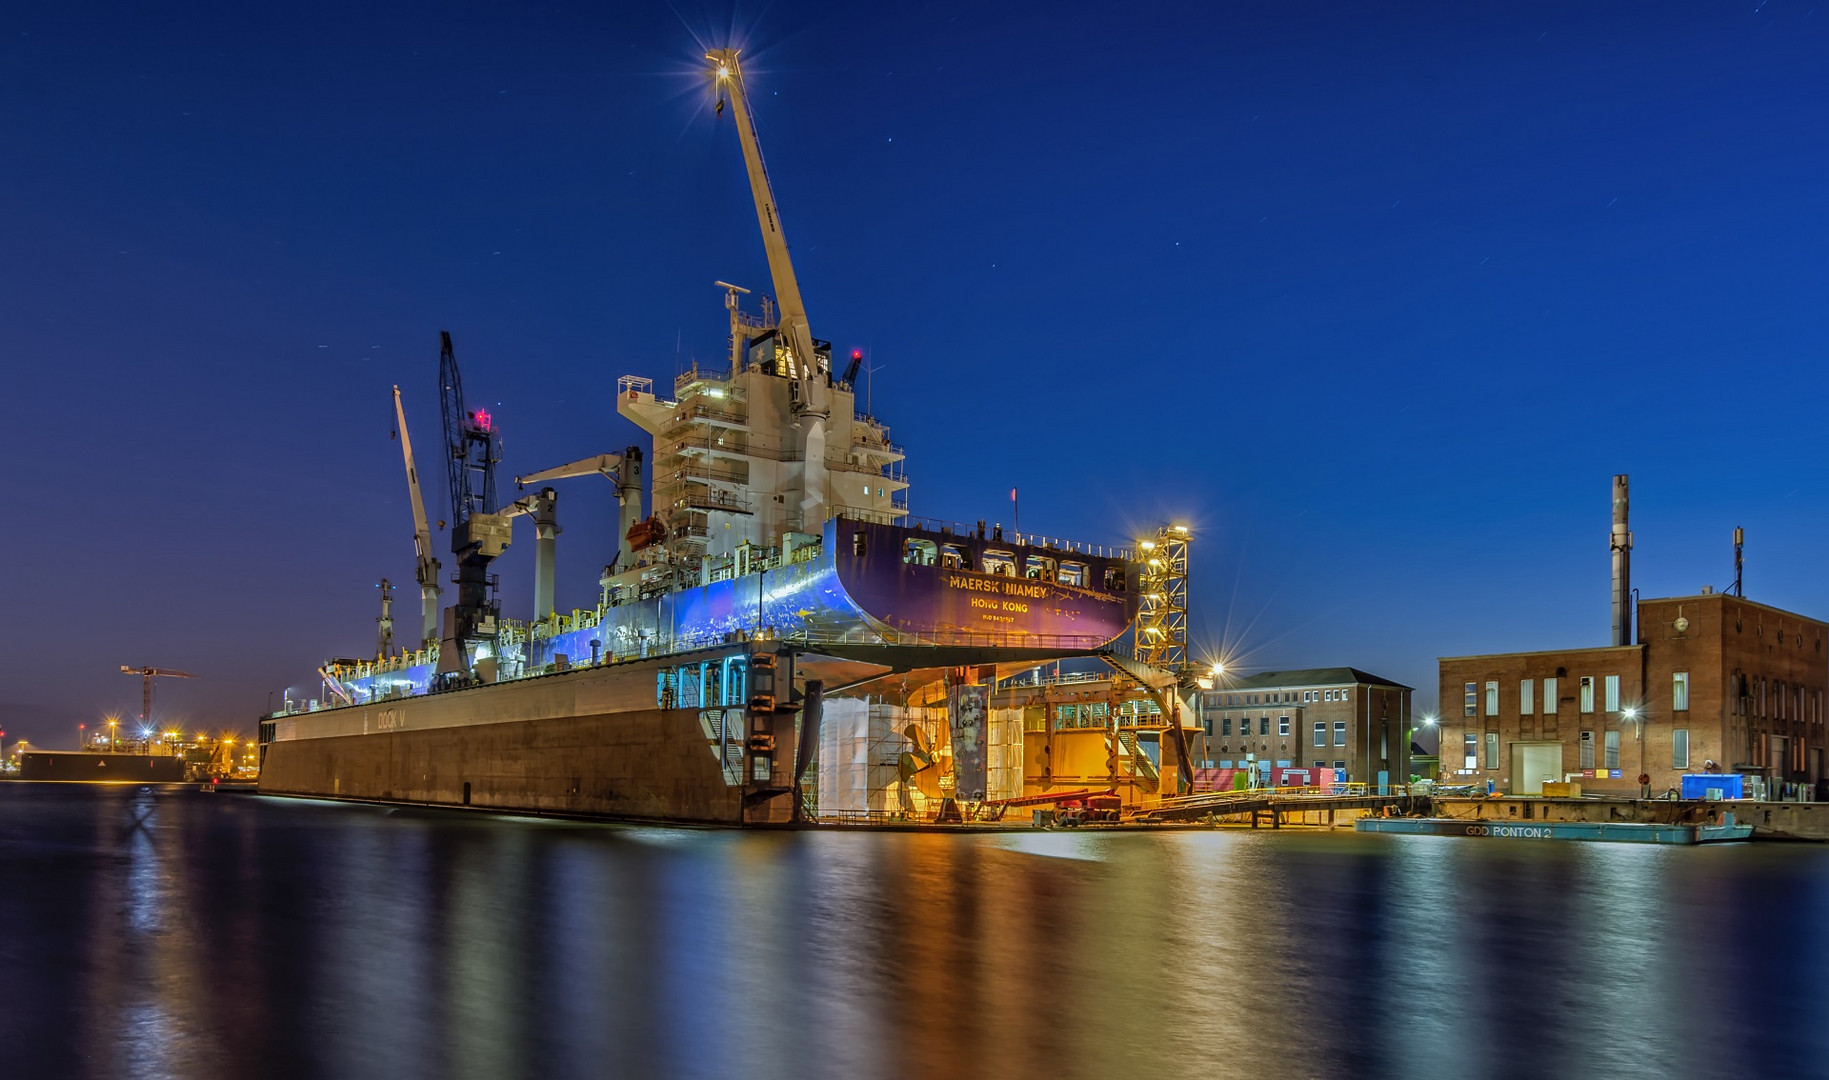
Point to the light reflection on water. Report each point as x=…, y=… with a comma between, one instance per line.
x=162, y=932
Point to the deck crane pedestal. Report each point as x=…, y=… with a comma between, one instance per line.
x=426, y=566
x=147, y=675
x=625, y=471
x=543, y=507
x=809, y=361
x=478, y=533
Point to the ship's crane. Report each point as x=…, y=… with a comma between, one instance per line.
x=384, y=622
x=147, y=675
x=426, y=566
x=543, y=508
x=809, y=364
x=478, y=533
x=623, y=470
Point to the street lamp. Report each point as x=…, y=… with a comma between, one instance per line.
x=1637, y=716
x=1429, y=720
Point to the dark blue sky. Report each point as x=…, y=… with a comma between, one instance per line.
x=1377, y=299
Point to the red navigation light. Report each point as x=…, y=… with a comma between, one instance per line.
x=481, y=416
x=857, y=354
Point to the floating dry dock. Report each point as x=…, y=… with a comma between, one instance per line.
x=1610, y=831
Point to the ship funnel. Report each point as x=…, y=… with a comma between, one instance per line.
x=1621, y=544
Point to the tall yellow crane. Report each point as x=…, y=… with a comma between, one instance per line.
x=426, y=566
x=812, y=403
x=147, y=675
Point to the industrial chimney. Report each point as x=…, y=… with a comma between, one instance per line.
x=1621, y=543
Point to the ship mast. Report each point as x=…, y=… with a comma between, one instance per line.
x=812, y=403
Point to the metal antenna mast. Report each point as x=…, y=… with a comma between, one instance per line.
x=1739, y=563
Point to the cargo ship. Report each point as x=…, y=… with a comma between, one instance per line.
x=776, y=634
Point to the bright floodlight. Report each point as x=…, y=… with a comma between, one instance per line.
x=1631, y=713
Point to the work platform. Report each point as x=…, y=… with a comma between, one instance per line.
x=1277, y=803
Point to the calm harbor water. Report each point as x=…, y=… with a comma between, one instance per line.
x=160, y=932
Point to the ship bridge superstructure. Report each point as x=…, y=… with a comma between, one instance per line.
x=730, y=471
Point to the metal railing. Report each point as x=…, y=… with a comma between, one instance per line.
x=1033, y=540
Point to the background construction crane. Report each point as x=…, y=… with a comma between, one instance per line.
x=426, y=566
x=147, y=675
x=478, y=533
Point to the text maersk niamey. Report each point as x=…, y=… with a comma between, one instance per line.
x=996, y=585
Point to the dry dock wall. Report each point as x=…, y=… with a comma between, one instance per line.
x=653, y=765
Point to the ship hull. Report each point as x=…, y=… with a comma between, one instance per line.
x=684, y=707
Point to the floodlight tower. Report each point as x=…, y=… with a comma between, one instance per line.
x=1161, y=632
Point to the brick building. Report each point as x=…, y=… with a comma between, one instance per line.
x=1325, y=718
x=1712, y=678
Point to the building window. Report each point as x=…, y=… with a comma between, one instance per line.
x=1207, y=727
x=1679, y=691
x=1587, y=696
x=1679, y=748
x=1587, y=749
x=1263, y=725
x=1470, y=750
x=1473, y=699
x=1526, y=697
x=1549, y=697
x=1613, y=693
x=1319, y=765
x=1612, y=749
x=1320, y=733
x=1492, y=699
x=1339, y=732
x=1225, y=725
x=1492, y=749
x=1340, y=766
x=1282, y=726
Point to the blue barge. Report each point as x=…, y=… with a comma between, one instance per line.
x=1611, y=831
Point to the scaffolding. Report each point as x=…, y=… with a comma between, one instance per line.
x=1162, y=612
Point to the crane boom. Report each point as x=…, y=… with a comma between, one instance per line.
x=426, y=566
x=793, y=310
x=623, y=470
x=811, y=381
x=605, y=464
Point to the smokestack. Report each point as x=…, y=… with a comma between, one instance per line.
x=1621, y=543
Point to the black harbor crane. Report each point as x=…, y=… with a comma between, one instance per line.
x=473, y=446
